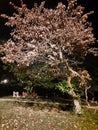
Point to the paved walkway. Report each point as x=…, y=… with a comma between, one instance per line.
x=16, y=100
x=28, y=101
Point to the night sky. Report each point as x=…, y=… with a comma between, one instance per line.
x=6, y=8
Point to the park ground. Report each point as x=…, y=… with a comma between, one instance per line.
x=20, y=115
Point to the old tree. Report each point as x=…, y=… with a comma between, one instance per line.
x=57, y=37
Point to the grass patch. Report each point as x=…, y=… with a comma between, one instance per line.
x=17, y=116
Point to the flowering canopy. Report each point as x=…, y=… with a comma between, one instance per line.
x=48, y=34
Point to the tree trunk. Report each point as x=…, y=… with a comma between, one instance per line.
x=77, y=106
x=76, y=100
x=86, y=96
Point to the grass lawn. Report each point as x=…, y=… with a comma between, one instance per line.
x=22, y=116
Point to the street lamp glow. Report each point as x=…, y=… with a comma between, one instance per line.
x=5, y=81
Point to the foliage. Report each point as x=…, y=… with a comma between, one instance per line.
x=63, y=86
x=28, y=89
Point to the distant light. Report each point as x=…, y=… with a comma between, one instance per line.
x=5, y=81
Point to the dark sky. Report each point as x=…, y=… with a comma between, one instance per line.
x=88, y=4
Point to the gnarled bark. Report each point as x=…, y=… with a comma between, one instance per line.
x=76, y=100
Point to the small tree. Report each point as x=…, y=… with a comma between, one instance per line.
x=60, y=36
